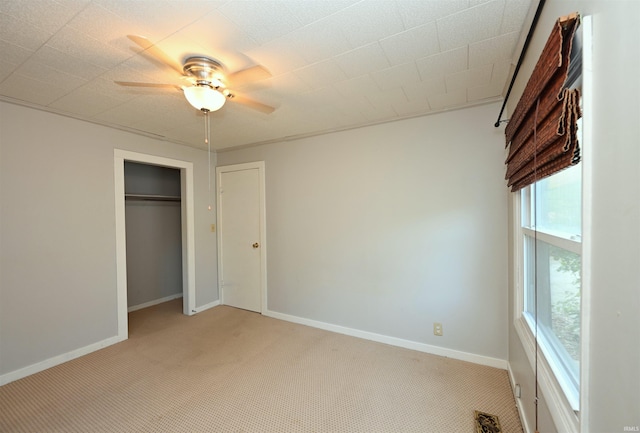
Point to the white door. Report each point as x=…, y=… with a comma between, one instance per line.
x=241, y=235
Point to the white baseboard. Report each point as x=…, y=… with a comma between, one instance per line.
x=57, y=360
x=60, y=359
x=154, y=302
x=393, y=341
x=523, y=417
x=206, y=306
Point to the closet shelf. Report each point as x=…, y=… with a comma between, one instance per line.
x=151, y=197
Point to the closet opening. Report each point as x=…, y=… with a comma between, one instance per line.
x=155, y=237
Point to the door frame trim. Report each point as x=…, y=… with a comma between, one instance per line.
x=188, y=231
x=260, y=166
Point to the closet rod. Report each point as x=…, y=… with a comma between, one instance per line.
x=151, y=197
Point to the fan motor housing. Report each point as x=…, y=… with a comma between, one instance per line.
x=203, y=69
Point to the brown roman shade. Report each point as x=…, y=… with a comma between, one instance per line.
x=542, y=132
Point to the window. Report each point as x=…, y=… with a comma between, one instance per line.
x=550, y=226
x=549, y=253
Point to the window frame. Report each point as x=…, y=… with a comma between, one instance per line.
x=563, y=408
x=553, y=348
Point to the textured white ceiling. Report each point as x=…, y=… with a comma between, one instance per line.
x=335, y=64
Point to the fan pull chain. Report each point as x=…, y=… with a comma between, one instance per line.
x=207, y=141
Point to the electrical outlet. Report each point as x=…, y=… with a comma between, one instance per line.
x=437, y=329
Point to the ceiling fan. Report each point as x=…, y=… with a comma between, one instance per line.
x=209, y=84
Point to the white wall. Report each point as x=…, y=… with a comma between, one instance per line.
x=612, y=388
x=389, y=228
x=57, y=233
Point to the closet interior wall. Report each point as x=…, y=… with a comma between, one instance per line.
x=154, y=234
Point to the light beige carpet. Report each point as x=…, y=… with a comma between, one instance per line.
x=230, y=370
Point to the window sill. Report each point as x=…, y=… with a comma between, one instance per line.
x=562, y=411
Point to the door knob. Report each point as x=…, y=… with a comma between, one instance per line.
x=256, y=245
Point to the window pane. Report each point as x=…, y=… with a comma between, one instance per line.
x=565, y=299
x=556, y=276
x=558, y=203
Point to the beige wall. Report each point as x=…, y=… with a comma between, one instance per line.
x=389, y=228
x=57, y=230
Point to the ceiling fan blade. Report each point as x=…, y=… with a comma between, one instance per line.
x=248, y=75
x=248, y=102
x=158, y=85
x=155, y=52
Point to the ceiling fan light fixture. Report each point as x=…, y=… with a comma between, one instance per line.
x=215, y=83
x=204, y=98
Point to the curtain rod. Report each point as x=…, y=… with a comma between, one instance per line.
x=520, y=59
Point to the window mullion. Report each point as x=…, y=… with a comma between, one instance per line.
x=564, y=243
